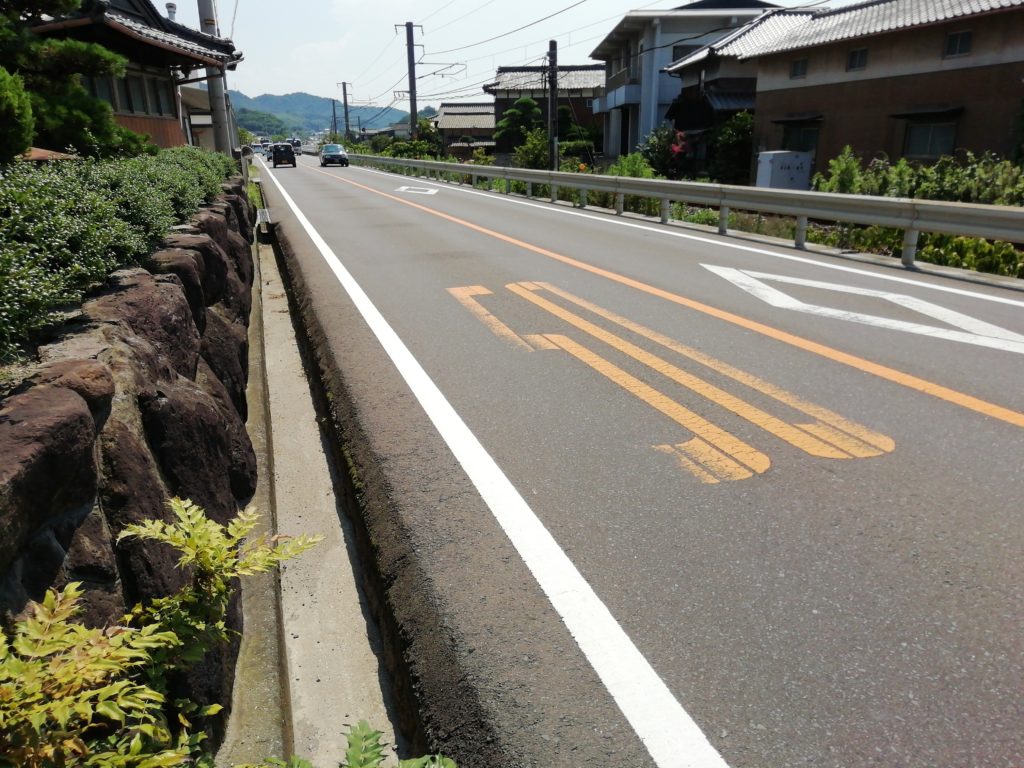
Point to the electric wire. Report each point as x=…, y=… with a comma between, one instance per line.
x=468, y=13
x=513, y=31
x=430, y=15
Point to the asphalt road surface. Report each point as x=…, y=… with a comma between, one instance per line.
x=683, y=499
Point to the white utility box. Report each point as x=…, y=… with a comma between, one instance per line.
x=784, y=170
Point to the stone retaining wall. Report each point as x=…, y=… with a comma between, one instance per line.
x=140, y=399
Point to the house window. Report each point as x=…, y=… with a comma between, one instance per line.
x=929, y=140
x=590, y=104
x=798, y=68
x=124, y=102
x=159, y=97
x=958, y=44
x=100, y=87
x=800, y=137
x=679, y=51
x=857, y=59
x=137, y=94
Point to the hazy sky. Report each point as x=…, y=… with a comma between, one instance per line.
x=313, y=46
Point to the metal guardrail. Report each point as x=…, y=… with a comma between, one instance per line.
x=993, y=222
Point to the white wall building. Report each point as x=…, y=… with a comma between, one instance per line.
x=637, y=92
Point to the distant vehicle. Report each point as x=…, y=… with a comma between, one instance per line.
x=296, y=145
x=283, y=153
x=333, y=153
x=266, y=148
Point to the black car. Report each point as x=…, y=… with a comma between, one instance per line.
x=333, y=153
x=282, y=154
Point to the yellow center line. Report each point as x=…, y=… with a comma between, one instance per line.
x=728, y=449
x=859, y=363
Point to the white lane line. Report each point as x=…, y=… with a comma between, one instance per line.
x=667, y=232
x=670, y=735
x=974, y=331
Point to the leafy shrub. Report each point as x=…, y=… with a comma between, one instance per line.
x=731, y=149
x=70, y=695
x=968, y=178
x=664, y=149
x=66, y=225
x=635, y=165
x=73, y=696
x=16, y=121
x=534, y=150
x=579, y=150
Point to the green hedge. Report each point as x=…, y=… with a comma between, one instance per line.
x=967, y=178
x=64, y=226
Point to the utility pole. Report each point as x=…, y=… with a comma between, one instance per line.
x=411, y=55
x=215, y=82
x=334, y=119
x=553, y=104
x=344, y=96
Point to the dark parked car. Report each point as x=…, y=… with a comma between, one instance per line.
x=333, y=153
x=282, y=153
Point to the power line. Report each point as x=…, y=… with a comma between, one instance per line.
x=468, y=13
x=379, y=56
x=429, y=15
x=510, y=32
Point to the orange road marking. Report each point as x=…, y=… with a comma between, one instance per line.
x=859, y=363
x=838, y=430
x=794, y=436
x=465, y=296
x=736, y=451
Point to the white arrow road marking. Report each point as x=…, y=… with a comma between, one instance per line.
x=417, y=190
x=972, y=330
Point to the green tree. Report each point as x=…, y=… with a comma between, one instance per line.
x=65, y=114
x=732, y=146
x=517, y=122
x=16, y=122
x=427, y=132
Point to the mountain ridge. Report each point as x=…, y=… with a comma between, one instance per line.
x=301, y=112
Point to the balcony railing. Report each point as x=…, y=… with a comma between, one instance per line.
x=622, y=77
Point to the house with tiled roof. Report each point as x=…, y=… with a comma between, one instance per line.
x=162, y=55
x=900, y=78
x=578, y=86
x=465, y=126
x=638, y=92
x=718, y=80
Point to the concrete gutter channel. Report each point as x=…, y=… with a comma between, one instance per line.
x=311, y=662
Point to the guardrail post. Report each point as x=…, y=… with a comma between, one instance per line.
x=909, y=247
x=665, y=204
x=620, y=203
x=583, y=198
x=554, y=193
x=800, y=240
x=508, y=186
x=529, y=189
x=723, y=220
x=472, y=180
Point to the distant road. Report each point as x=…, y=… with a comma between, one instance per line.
x=680, y=499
